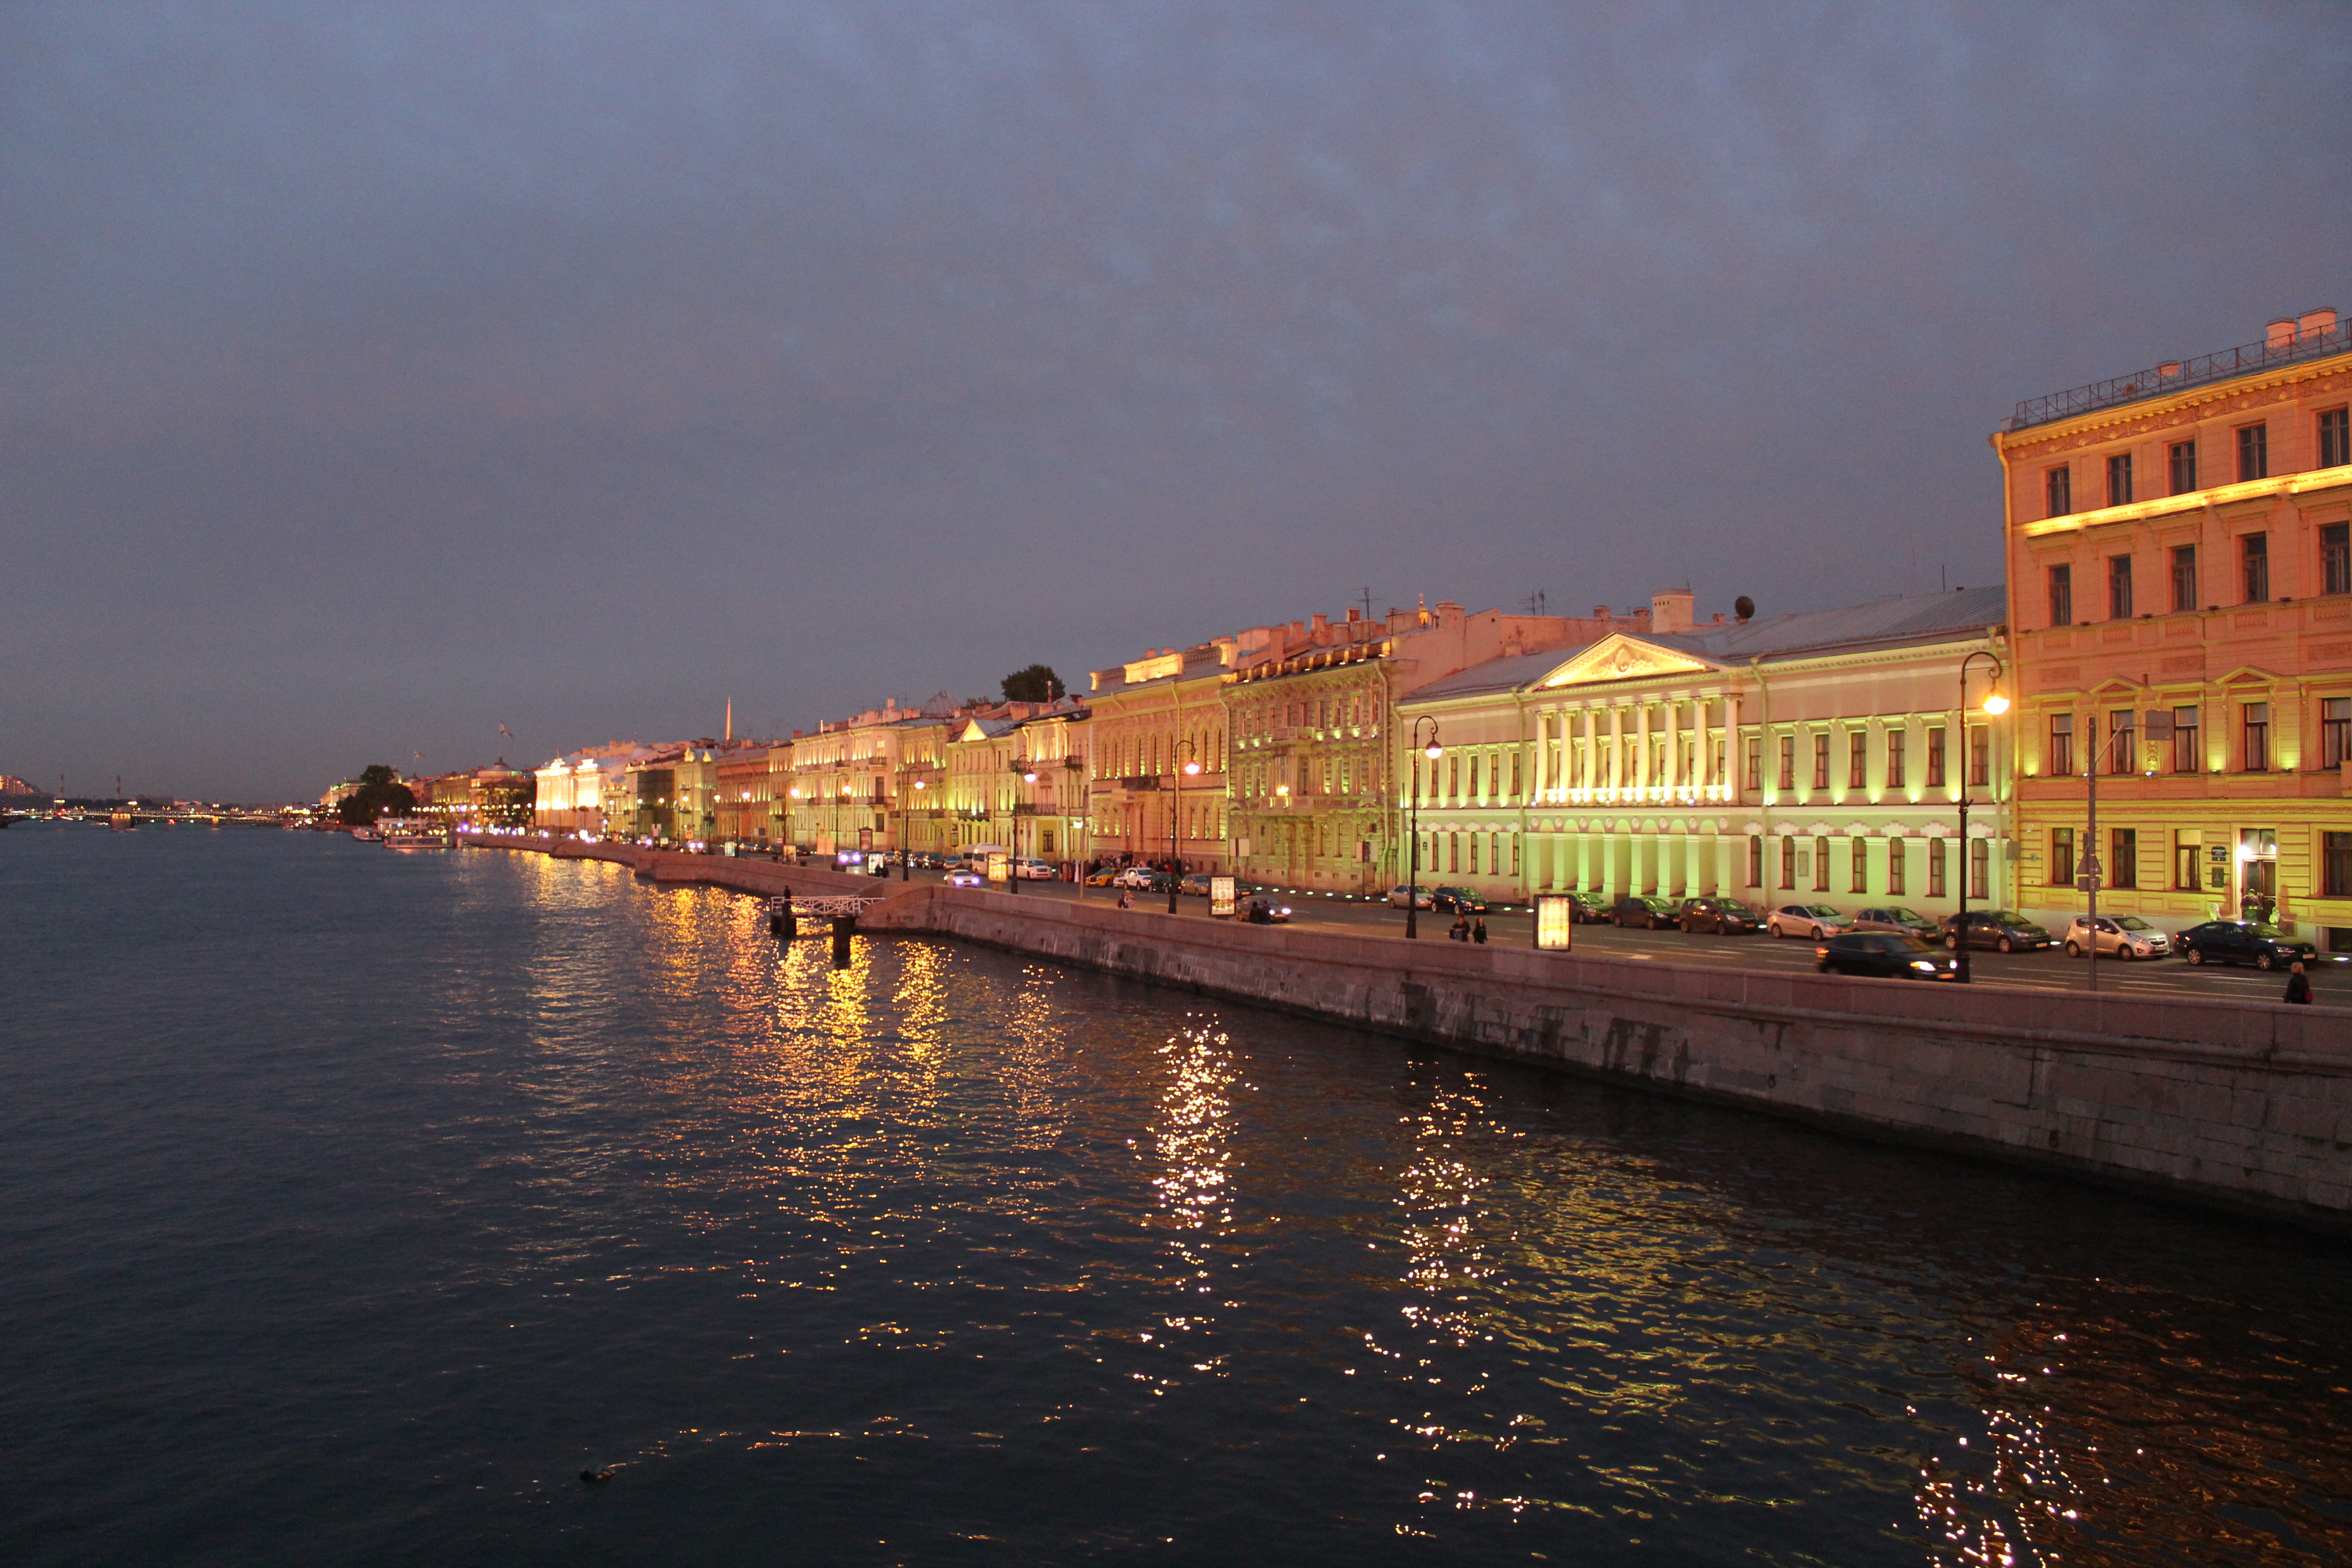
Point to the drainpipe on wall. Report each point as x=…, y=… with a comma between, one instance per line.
x=1764, y=743
x=1531, y=781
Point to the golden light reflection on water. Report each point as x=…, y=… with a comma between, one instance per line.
x=1603, y=1324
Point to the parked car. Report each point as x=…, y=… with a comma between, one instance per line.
x=1589, y=909
x=2004, y=930
x=962, y=877
x=1457, y=901
x=2242, y=941
x=1417, y=895
x=1889, y=955
x=1195, y=885
x=1635, y=910
x=1102, y=877
x=1142, y=877
x=1814, y=921
x=1036, y=870
x=1902, y=921
x=2125, y=936
x=1723, y=916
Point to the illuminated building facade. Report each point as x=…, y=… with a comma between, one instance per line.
x=1151, y=717
x=573, y=790
x=2179, y=548
x=1819, y=757
x=1308, y=707
x=1014, y=775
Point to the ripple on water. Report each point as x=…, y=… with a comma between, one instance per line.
x=360, y=1201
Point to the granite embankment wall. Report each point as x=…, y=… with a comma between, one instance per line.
x=2247, y=1105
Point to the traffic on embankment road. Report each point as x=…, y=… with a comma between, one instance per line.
x=2049, y=970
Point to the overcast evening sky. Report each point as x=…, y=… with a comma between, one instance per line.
x=371, y=375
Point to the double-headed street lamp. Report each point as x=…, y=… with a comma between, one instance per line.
x=1176, y=817
x=1028, y=774
x=1996, y=705
x=1413, y=877
x=903, y=849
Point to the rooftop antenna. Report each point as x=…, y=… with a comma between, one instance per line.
x=1365, y=593
x=730, y=720
x=1943, y=578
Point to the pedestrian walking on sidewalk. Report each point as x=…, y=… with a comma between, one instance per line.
x=1478, y=932
x=2298, y=986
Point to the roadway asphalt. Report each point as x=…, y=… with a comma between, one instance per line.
x=2049, y=970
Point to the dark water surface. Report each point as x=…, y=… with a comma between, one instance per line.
x=355, y=1202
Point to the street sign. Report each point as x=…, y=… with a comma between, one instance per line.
x=2088, y=882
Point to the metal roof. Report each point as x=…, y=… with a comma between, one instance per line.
x=1883, y=622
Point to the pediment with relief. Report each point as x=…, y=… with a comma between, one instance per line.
x=1622, y=658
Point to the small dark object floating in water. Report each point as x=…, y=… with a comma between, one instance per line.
x=594, y=1477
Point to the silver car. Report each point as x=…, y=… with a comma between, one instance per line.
x=1813, y=921
x=2121, y=936
x=1896, y=917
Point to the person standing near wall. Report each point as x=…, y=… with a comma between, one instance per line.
x=2298, y=986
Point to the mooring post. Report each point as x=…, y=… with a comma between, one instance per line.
x=843, y=928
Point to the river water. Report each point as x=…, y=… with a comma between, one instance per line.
x=357, y=1202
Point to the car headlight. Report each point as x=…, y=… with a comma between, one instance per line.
x=1922, y=963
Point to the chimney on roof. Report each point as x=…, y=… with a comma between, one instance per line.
x=1354, y=613
x=2317, y=323
x=2278, y=334
x=1321, y=620
x=1673, y=610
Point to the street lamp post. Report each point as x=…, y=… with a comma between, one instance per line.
x=1412, y=876
x=1996, y=704
x=1027, y=775
x=1176, y=816
x=903, y=848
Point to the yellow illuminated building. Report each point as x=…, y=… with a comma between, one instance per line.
x=2179, y=546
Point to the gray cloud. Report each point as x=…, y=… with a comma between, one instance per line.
x=374, y=374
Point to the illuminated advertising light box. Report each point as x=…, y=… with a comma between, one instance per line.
x=1000, y=866
x=1221, y=897
x=1555, y=925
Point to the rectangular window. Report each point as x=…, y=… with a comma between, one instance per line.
x=1895, y=769
x=2061, y=744
x=2188, y=755
x=1821, y=760
x=2061, y=596
x=1515, y=775
x=1980, y=757
x=1474, y=778
x=2334, y=438
x=1857, y=759
x=2335, y=558
x=1788, y=763
x=2123, y=858
x=2258, y=737
x=2188, y=858
x=1936, y=758
x=2119, y=594
x=2061, y=857
x=1754, y=860
x=1898, y=850
x=1935, y=881
x=2253, y=452
x=1979, y=870
x=2254, y=556
x=2335, y=865
x=1473, y=866
x=2119, y=485
x=2334, y=732
x=1454, y=851
x=1820, y=865
x=2183, y=454
x=1788, y=862
x=2184, y=577
x=1755, y=776
x=2058, y=489
x=2122, y=756
x=1860, y=878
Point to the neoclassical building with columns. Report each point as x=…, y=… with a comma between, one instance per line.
x=1821, y=756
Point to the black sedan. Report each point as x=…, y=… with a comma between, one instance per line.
x=1589, y=909
x=1888, y=955
x=2242, y=941
x=2002, y=929
x=1457, y=901
x=1724, y=917
x=1633, y=909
